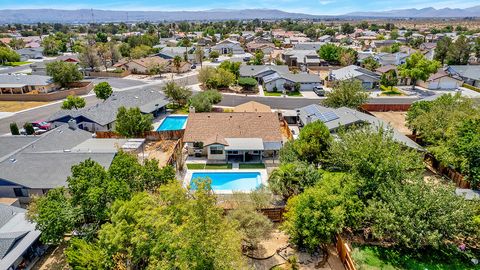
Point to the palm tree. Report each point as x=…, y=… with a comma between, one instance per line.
x=186, y=43
x=177, y=63
x=199, y=54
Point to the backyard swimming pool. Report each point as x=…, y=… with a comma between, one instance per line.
x=173, y=123
x=230, y=181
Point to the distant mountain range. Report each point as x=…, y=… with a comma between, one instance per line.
x=422, y=13
x=89, y=15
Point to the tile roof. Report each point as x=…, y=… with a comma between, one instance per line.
x=252, y=106
x=202, y=127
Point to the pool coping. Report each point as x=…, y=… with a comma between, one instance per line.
x=159, y=123
x=263, y=175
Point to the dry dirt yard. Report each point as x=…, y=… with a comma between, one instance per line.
x=15, y=106
x=396, y=119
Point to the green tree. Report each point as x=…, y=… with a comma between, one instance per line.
x=441, y=51
x=178, y=94
x=73, y=102
x=459, y=52
x=89, y=57
x=64, y=73
x=214, y=55
x=81, y=254
x=253, y=225
x=417, y=67
x=347, y=57
x=131, y=122
x=204, y=101
x=293, y=178
x=313, y=142
x=476, y=47
x=422, y=216
x=199, y=55
x=8, y=55
x=314, y=217
x=374, y=159
x=51, y=46
x=177, y=63
x=140, y=51
x=347, y=28
x=53, y=215
x=330, y=53
x=247, y=83
x=347, y=93
x=103, y=90
x=14, y=129
x=389, y=79
x=233, y=67
x=370, y=64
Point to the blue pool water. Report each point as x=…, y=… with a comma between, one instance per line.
x=173, y=123
x=240, y=181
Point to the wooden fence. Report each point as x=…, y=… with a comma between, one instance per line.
x=107, y=74
x=81, y=88
x=447, y=171
x=385, y=107
x=149, y=135
x=344, y=253
x=275, y=214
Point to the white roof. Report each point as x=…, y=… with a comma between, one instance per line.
x=244, y=144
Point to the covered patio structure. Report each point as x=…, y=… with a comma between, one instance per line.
x=244, y=149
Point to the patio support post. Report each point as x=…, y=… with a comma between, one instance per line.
x=243, y=156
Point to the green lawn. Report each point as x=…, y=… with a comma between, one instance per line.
x=373, y=258
x=16, y=64
x=252, y=166
x=279, y=94
x=390, y=91
x=178, y=109
x=197, y=166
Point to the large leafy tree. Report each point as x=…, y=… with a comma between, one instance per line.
x=73, y=102
x=330, y=53
x=441, y=51
x=347, y=93
x=459, y=51
x=375, y=159
x=370, y=63
x=131, y=122
x=313, y=142
x=64, y=73
x=293, y=178
x=53, y=215
x=422, y=216
x=177, y=93
x=389, y=79
x=103, y=90
x=165, y=231
x=8, y=55
x=417, y=67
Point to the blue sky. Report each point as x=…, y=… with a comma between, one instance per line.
x=327, y=7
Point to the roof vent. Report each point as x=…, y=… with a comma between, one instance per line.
x=136, y=97
x=13, y=160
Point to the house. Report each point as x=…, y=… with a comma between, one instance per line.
x=23, y=84
x=32, y=165
x=252, y=106
x=233, y=137
x=279, y=78
x=469, y=74
x=369, y=79
x=19, y=239
x=396, y=59
x=287, y=81
x=144, y=65
x=30, y=53
x=302, y=58
x=228, y=46
x=384, y=69
x=341, y=117
x=260, y=71
x=442, y=80
x=205, y=41
x=325, y=38
x=379, y=44
x=102, y=116
x=40, y=68
x=265, y=47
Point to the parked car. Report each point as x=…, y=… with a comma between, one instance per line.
x=42, y=124
x=37, y=131
x=319, y=91
x=193, y=66
x=246, y=59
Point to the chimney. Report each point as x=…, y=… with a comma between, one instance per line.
x=72, y=124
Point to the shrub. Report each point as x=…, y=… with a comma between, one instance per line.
x=29, y=128
x=14, y=129
x=247, y=83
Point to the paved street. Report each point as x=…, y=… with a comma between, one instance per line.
x=228, y=100
x=118, y=83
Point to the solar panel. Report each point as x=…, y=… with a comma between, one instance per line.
x=327, y=116
x=311, y=110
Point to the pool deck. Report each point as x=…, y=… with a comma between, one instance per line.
x=263, y=175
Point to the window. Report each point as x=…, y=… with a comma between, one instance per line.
x=20, y=192
x=216, y=150
x=233, y=152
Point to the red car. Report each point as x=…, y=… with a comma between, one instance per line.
x=42, y=124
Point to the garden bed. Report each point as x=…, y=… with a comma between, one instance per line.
x=204, y=166
x=251, y=166
x=279, y=94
